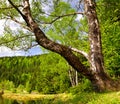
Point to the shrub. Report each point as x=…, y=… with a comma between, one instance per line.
x=85, y=86
x=7, y=85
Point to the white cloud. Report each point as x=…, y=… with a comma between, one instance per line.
x=79, y=16
x=12, y=25
x=5, y=51
x=2, y=22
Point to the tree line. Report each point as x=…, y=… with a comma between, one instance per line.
x=47, y=73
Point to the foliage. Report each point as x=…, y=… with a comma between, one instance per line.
x=109, y=20
x=84, y=86
x=47, y=73
x=6, y=84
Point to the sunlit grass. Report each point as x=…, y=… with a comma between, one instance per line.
x=25, y=97
x=107, y=98
x=67, y=98
x=96, y=98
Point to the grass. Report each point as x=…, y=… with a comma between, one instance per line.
x=68, y=98
x=97, y=98
x=26, y=97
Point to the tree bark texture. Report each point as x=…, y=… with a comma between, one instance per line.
x=100, y=80
x=95, y=73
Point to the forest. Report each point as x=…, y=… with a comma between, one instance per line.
x=80, y=44
x=46, y=73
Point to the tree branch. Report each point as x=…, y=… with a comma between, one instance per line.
x=80, y=52
x=10, y=7
x=30, y=47
x=62, y=16
x=15, y=7
x=15, y=39
x=24, y=17
x=24, y=26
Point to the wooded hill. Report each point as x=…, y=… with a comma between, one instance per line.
x=47, y=73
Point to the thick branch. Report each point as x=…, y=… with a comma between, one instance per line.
x=42, y=40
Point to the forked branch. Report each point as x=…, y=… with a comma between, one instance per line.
x=81, y=52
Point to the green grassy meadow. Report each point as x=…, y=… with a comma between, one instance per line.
x=69, y=98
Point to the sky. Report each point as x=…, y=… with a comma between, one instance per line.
x=5, y=51
x=1, y=26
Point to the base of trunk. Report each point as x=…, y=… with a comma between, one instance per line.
x=102, y=82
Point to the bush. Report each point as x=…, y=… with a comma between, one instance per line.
x=85, y=86
x=20, y=88
x=28, y=87
x=7, y=85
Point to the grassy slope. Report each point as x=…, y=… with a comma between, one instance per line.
x=81, y=98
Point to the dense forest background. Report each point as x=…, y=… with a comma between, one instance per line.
x=47, y=73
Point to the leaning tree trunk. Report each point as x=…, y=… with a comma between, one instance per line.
x=100, y=79
x=95, y=74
